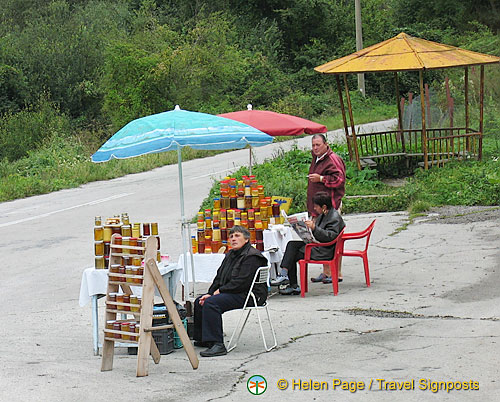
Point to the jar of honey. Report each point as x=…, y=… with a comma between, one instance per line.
x=154, y=228
x=217, y=204
x=248, y=192
x=146, y=229
x=216, y=245
x=125, y=219
x=128, y=271
x=133, y=243
x=125, y=326
x=126, y=299
x=107, y=232
x=225, y=203
x=194, y=244
x=135, y=271
x=98, y=233
x=109, y=325
x=132, y=331
x=121, y=270
x=248, y=202
x=233, y=203
x=140, y=243
x=117, y=327
x=119, y=299
x=98, y=221
x=99, y=248
x=127, y=231
x=112, y=298
x=114, y=269
x=136, y=230
x=99, y=262
x=240, y=203
x=201, y=247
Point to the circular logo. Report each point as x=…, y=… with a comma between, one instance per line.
x=256, y=385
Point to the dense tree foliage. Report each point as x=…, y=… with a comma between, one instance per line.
x=101, y=63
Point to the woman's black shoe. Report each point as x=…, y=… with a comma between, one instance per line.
x=218, y=349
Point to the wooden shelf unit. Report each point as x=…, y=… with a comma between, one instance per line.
x=150, y=279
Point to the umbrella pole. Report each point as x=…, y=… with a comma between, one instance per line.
x=250, y=166
x=183, y=228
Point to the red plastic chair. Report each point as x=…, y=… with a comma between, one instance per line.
x=357, y=253
x=332, y=263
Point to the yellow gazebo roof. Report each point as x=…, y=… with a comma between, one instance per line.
x=402, y=53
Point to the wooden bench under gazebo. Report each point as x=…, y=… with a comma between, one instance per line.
x=425, y=146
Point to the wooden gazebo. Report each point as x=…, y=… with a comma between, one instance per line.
x=428, y=146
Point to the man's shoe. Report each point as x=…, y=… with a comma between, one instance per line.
x=290, y=290
x=201, y=344
x=280, y=280
x=218, y=349
x=319, y=278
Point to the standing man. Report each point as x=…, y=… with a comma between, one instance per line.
x=326, y=173
x=228, y=291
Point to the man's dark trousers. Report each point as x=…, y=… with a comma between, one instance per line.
x=208, y=318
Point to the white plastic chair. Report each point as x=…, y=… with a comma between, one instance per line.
x=261, y=276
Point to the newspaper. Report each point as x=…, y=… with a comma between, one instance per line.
x=297, y=222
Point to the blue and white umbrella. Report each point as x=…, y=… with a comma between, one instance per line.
x=173, y=130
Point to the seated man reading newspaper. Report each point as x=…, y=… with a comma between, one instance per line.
x=326, y=228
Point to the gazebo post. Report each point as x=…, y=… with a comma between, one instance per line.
x=466, y=90
x=400, y=117
x=344, y=118
x=422, y=108
x=481, y=113
x=351, y=118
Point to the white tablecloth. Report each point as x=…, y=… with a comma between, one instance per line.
x=205, y=266
x=275, y=240
x=95, y=281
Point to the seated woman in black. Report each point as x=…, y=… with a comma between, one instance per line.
x=326, y=228
x=228, y=291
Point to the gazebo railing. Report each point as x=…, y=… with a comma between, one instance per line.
x=443, y=145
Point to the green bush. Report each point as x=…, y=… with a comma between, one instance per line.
x=30, y=128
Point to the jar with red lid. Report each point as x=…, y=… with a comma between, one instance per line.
x=125, y=326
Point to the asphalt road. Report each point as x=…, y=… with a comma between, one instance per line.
x=431, y=312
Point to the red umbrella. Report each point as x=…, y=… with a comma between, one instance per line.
x=275, y=124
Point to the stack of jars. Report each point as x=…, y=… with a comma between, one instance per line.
x=242, y=202
x=127, y=234
x=129, y=329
